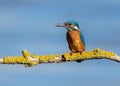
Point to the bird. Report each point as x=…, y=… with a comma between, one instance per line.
x=74, y=36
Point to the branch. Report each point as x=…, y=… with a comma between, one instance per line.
x=29, y=59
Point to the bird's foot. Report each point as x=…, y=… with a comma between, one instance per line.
x=79, y=60
x=71, y=53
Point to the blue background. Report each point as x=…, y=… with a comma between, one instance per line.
x=30, y=25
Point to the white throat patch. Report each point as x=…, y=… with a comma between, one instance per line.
x=76, y=28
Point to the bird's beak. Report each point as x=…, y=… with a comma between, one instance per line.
x=60, y=25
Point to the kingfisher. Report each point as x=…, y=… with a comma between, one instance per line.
x=74, y=36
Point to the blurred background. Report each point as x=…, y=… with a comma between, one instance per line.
x=30, y=25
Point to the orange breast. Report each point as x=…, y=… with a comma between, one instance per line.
x=74, y=41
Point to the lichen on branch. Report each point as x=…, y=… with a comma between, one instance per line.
x=29, y=59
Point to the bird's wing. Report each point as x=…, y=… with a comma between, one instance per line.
x=82, y=38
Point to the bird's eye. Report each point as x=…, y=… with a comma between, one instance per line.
x=67, y=24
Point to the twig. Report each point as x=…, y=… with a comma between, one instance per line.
x=29, y=59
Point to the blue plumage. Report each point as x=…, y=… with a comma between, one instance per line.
x=82, y=37
x=72, y=22
x=75, y=37
x=76, y=24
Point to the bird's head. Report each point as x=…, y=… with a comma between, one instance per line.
x=70, y=25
